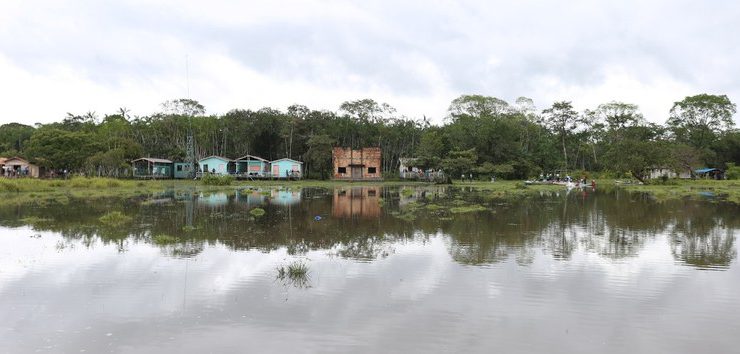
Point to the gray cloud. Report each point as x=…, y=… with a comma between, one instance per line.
x=415, y=55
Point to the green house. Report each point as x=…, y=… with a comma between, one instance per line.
x=184, y=170
x=252, y=166
x=149, y=167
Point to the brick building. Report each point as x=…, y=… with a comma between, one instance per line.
x=357, y=165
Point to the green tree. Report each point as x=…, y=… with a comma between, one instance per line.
x=562, y=119
x=318, y=155
x=698, y=120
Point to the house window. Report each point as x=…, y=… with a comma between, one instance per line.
x=342, y=170
x=371, y=170
x=205, y=167
x=179, y=168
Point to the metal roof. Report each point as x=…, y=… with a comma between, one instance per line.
x=285, y=158
x=251, y=157
x=153, y=160
x=705, y=170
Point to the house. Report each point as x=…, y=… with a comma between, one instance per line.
x=407, y=170
x=217, y=165
x=286, y=168
x=659, y=172
x=183, y=170
x=252, y=166
x=150, y=167
x=710, y=173
x=357, y=165
x=18, y=167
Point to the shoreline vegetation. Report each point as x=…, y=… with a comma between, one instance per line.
x=26, y=190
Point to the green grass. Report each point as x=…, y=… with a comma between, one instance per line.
x=163, y=239
x=678, y=189
x=467, y=209
x=296, y=273
x=257, y=212
x=114, y=218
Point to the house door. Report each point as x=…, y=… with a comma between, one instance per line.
x=356, y=172
x=275, y=171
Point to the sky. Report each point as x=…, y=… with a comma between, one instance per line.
x=60, y=56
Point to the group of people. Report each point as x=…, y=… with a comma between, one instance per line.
x=14, y=172
x=555, y=178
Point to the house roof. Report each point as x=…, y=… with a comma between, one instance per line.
x=252, y=157
x=215, y=157
x=152, y=160
x=287, y=159
x=705, y=170
x=16, y=158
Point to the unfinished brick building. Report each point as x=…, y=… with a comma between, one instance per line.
x=357, y=165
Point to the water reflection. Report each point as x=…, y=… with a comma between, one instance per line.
x=363, y=202
x=194, y=271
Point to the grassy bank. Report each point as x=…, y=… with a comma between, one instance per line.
x=693, y=189
x=19, y=191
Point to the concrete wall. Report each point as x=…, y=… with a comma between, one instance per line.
x=360, y=161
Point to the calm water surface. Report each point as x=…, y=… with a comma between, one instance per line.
x=389, y=270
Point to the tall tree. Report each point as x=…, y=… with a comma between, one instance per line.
x=698, y=119
x=562, y=119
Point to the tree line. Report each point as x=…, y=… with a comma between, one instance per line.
x=481, y=135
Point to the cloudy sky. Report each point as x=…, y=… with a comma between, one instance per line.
x=61, y=56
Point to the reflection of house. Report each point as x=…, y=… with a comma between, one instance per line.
x=252, y=166
x=356, y=202
x=18, y=167
x=149, y=167
x=286, y=168
x=285, y=197
x=363, y=164
x=214, y=199
x=251, y=197
x=217, y=165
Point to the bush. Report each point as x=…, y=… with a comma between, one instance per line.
x=217, y=180
x=733, y=172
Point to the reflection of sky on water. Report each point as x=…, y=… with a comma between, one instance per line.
x=63, y=296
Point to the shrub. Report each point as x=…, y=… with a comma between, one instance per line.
x=257, y=212
x=217, y=180
x=733, y=172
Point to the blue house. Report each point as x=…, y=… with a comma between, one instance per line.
x=252, y=166
x=287, y=168
x=217, y=165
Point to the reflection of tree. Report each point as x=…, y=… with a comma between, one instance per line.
x=704, y=237
x=611, y=224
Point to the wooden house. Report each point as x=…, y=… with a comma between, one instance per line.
x=150, y=167
x=252, y=166
x=357, y=165
x=286, y=168
x=18, y=167
x=217, y=165
x=183, y=170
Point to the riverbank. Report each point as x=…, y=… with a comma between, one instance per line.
x=728, y=190
x=20, y=191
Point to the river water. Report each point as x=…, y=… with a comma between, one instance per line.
x=417, y=269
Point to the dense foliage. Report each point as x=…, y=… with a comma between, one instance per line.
x=481, y=135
